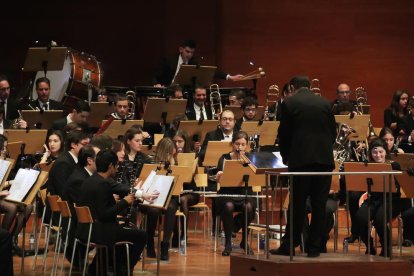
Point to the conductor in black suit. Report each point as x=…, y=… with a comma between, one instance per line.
x=169, y=67
x=307, y=132
x=96, y=193
x=43, y=93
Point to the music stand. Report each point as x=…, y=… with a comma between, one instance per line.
x=358, y=122
x=238, y=112
x=214, y=150
x=266, y=129
x=197, y=130
x=163, y=110
x=99, y=111
x=45, y=59
x=149, y=149
x=406, y=160
x=186, y=158
x=184, y=174
x=371, y=183
x=41, y=119
x=190, y=75
x=406, y=183
x=34, y=139
x=119, y=127
x=14, y=149
x=233, y=172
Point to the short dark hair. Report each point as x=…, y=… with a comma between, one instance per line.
x=74, y=136
x=85, y=153
x=42, y=79
x=240, y=135
x=190, y=43
x=300, y=82
x=102, y=141
x=198, y=86
x=4, y=78
x=248, y=101
x=104, y=158
x=379, y=143
x=238, y=93
x=81, y=106
x=121, y=97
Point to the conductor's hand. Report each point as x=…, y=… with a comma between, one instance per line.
x=130, y=198
x=158, y=85
x=150, y=197
x=236, y=77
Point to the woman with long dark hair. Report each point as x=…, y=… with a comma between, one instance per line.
x=398, y=109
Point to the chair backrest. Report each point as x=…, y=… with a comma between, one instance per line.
x=53, y=199
x=64, y=209
x=83, y=214
x=201, y=180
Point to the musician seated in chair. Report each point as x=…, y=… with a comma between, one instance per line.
x=225, y=206
x=236, y=97
x=43, y=93
x=198, y=108
x=78, y=115
x=122, y=109
x=343, y=91
x=249, y=109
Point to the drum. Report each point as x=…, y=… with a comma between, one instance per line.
x=80, y=72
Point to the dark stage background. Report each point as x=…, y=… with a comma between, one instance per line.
x=364, y=43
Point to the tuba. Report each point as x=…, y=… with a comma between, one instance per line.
x=215, y=101
x=315, y=87
x=272, y=98
x=361, y=99
x=341, y=149
x=131, y=96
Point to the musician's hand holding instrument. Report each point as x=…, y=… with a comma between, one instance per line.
x=130, y=198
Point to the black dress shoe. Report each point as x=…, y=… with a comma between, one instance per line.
x=226, y=251
x=313, y=254
x=407, y=243
x=352, y=238
x=164, y=251
x=282, y=250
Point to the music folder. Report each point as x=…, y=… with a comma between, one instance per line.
x=164, y=184
x=6, y=166
x=22, y=184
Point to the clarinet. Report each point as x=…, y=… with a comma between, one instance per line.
x=132, y=171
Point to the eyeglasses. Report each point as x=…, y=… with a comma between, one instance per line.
x=227, y=119
x=344, y=92
x=250, y=109
x=3, y=89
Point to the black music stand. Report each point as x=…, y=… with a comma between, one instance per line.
x=45, y=58
x=260, y=163
x=99, y=112
x=372, y=183
x=163, y=110
x=190, y=75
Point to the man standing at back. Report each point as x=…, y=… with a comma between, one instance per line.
x=307, y=132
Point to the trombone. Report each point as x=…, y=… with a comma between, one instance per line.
x=315, y=87
x=215, y=101
x=361, y=99
x=272, y=98
x=131, y=96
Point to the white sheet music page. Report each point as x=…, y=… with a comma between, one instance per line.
x=162, y=184
x=148, y=182
x=22, y=183
x=4, y=166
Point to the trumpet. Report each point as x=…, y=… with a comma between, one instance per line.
x=15, y=122
x=215, y=101
x=131, y=96
x=272, y=98
x=361, y=99
x=315, y=87
x=254, y=75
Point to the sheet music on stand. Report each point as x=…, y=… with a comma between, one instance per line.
x=161, y=183
x=5, y=168
x=22, y=183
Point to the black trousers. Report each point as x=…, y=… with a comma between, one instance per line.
x=6, y=259
x=317, y=189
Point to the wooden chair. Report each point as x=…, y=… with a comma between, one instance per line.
x=201, y=182
x=66, y=214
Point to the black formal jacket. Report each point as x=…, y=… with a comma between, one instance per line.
x=307, y=131
x=53, y=105
x=408, y=126
x=165, y=72
x=191, y=113
x=60, y=123
x=96, y=193
x=59, y=174
x=12, y=107
x=71, y=191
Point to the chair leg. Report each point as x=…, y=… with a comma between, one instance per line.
x=66, y=245
x=38, y=238
x=47, y=243
x=216, y=232
x=185, y=235
x=57, y=248
x=73, y=256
